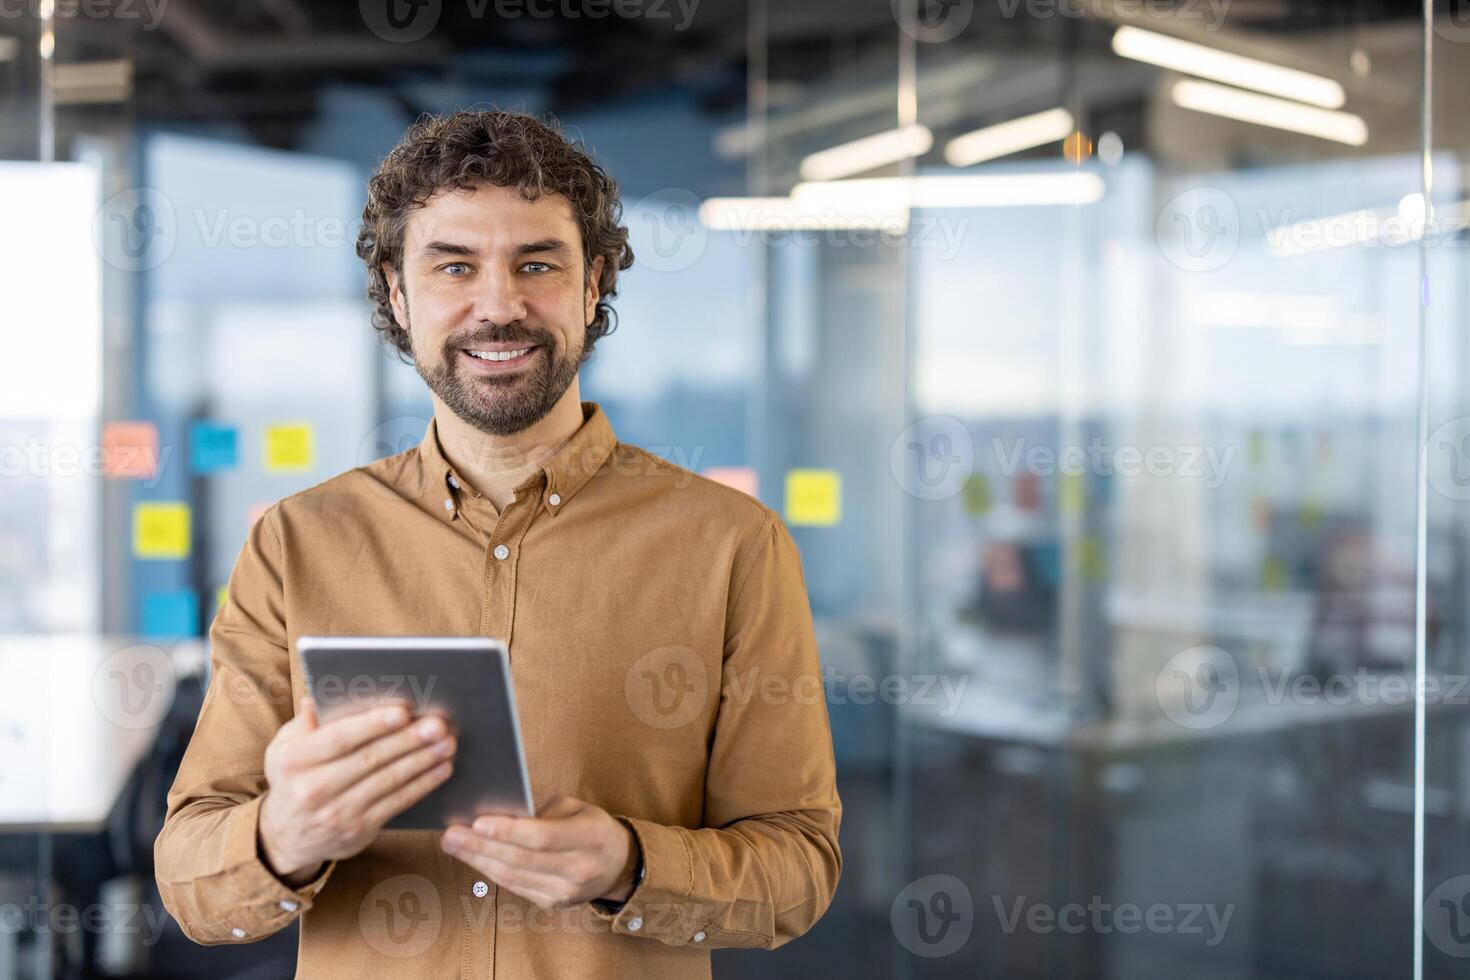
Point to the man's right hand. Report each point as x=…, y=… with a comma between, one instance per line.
x=333, y=786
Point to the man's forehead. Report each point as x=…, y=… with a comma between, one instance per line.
x=488, y=213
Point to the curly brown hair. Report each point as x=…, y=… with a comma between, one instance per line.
x=508, y=149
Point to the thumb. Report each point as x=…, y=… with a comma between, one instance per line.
x=306, y=714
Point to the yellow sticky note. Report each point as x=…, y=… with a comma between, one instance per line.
x=814, y=497
x=977, y=494
x=1073, y=494
x=221, y=595
x=1273, y=575
x=288, y=448
x=161, y=530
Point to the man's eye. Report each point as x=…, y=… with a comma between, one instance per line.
x=537, y=267
x=457, y=268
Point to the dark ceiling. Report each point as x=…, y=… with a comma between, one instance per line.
x=264, y=64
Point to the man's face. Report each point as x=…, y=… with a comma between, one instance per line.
x=500, y=303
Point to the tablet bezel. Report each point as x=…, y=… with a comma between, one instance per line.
x=320, y=656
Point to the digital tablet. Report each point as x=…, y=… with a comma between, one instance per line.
x=465, y=679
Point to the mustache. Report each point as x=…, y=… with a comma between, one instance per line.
x=504, y=335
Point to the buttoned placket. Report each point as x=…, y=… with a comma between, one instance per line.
x=497, y=619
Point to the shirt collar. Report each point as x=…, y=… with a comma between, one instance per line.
x=576, y=462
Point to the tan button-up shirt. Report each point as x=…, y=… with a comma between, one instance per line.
x=665, y=669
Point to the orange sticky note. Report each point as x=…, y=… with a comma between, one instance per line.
x=742, y=478
x=129, y=450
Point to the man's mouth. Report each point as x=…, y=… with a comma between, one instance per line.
x=500, y=360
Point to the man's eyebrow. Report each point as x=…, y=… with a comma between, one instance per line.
x=447, y=248
x=555, y=245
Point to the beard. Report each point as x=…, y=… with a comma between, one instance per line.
x=502, y=405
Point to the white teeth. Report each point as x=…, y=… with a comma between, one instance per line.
x=503, y=355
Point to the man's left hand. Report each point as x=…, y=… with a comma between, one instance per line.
x=571, y=852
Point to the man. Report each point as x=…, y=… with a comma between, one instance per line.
x=664, y=663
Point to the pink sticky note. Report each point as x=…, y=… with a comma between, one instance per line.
x=742, y=478
x=129, y=450
x=256, y=512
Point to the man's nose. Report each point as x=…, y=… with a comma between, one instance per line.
x=498, y=298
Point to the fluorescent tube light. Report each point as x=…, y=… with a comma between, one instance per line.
x=867, y=153
x=1263, y=110
x=1207, y=62
x=1006, y=138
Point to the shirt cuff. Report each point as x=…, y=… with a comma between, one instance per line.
x=264, y=903
x=659, y=907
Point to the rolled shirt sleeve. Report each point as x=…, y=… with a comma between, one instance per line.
x=765, y=866
x=208, y=865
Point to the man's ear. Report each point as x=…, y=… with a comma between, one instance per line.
x=593, y=293
x=395, y=295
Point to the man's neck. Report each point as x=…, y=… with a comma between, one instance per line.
x=496, y=465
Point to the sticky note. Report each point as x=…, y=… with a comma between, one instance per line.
x=1273, y=575
x=161, y=530
x=1072, y=493
x=814, y=497
x=288, y=447
x=977, y=494
x=742, y=478
x=170, y=614
x=1256, y=447
x=255, y=513
x=221, y=596
x=129, y=450
x=1028, y=491
x=1091, y=559
x=212, y=447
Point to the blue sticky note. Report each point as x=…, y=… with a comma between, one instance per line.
x=169, y=615
x=212, y=447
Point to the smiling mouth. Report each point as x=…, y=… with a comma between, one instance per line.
x=500, y=355
x=500, y=360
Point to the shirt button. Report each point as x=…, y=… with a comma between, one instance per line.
x=699, y=937
x=449, y=504
x=554, y=499
x=453, y=482
x=502, y=552
x=481, y=889
x=289, y=905
x=238, y=933
x=635, y=923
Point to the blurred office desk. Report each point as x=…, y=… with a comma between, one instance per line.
x=1277, y=798
x=79, y=714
